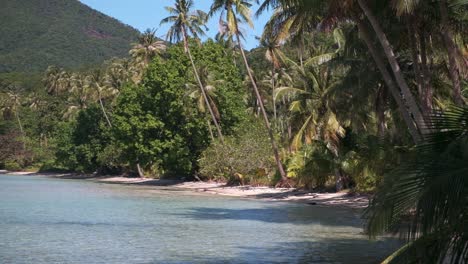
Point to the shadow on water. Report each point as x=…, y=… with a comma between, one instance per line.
x=328, y=250
x=300, y=215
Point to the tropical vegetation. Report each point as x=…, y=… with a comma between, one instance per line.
x=363, y=95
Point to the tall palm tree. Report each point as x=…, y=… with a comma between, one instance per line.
x=294, y=15
x=96, y=82
x=209, y=83
x=391, y=57
x=185, y=22
x=274, y=55
x=236, y=12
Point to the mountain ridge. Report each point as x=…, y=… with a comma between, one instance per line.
x=65, y=33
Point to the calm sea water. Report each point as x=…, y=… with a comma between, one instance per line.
x=44, y=220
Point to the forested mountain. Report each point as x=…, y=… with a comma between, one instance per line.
x=38, y=33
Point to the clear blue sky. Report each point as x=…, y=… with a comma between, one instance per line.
x=144, y=14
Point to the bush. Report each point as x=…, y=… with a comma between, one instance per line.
x=312, y=166
x=245, y=158
x=11, y=165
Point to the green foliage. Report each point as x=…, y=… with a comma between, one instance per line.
x=312, y=166
x=153, y=122
x=80, y=143
x=230, y=92
x=432, y=188
x=36, y=34
x=11, y=165
x=244, y=158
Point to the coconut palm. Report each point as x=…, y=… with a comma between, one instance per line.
x=185, y=22
x=147, y=47
x=56, y=80
x=274, y=55
x=431, y=189
x=237, y=12
x=311, y=107
x=209, y=83
x=95, y=81
x=296, y=14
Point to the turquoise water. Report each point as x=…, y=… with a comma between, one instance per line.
x=45, y=220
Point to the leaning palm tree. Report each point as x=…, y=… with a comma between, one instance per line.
x=96, y=82
x=209, y=83
x=185, y=22
x=294, y=16
x=430, y=192
x=236, y=12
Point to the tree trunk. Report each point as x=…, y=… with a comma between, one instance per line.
x=426, y=75
x=202, y=89
x=141, y=174
x=413, y=130
x=281, y=170
x=273, y=90
x=380, y=111
x=211, y=130
x=400, y=80
x=104, y=111
x=415, y=55
x=454, y=71
x=21, y=128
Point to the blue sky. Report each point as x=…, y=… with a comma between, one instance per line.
x=143, y=14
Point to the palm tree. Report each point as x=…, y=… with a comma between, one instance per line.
x=431, y=190
x=454, y=70
x=147, y=47
x=311, y=107
x=56, y=80
x=274, y=55
x=236, y=12
x=185, y=22
x=294, y=16
x=390, y=54
x=96, y=82
x=11, y=101
x=209, y=83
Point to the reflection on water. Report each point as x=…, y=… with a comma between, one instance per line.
x=46, y=220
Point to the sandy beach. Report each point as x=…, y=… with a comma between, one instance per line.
x=341, y=199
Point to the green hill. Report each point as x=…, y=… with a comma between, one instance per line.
x=37, y=33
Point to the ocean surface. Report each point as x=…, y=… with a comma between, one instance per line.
x=46, y=220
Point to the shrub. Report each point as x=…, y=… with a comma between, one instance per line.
x=312, y=166
x=11, y=165
x=245, y=158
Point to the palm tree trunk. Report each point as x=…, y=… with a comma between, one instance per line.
x=380, y=111
x=20, y=125
x=454, y=71
x=211, y=130
x=141, y=174
x=281, y=170
x=413, y=130
x=104, y=111
x=426, y=75
x=400, y=80
x=205, y=97
x=273, y=90
x=415, y=57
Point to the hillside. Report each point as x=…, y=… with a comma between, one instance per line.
x=38, y=33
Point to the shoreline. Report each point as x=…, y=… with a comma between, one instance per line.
x=339, y=200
